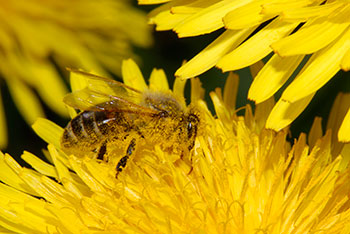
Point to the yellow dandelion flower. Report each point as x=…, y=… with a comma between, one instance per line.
x=289, y=30
x=37, y=37
x=244, y=179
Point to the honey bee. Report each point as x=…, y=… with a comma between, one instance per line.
x=124, y=118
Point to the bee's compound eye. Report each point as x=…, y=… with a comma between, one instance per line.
x=164, y=114
x=192, y=125
x=189, y=127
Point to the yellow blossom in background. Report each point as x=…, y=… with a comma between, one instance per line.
x=39, y=39
x=289, y=30
x=245, y=179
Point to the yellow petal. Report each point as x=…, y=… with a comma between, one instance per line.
x=336, y=117
x=185, y=9
x=197, y=91
x=9, y=170
x=166, y=20
x=77, y=81
x=315, y=132
x=256, y=67
x=158, y=80
x=144, y=2
x=90, y=181
x=313, y=36
x=230, y=91
x=339, y=109
x=167, y=16
x=6, y=39
x=50, y=86
x=344, y=131
x=39, y=165
x=45, y=187
x=276, y=7
x=3, y=126
x=48, y=131
x=272, y=76
x=345, y=62
x=16, y=213
x=69, y=220
x=285, y=112
x=256, y=47
x=302, y=14
x=209, y=19
x=346, y=159
x=132, y=75
x=191, y=7
x=71, y=111
x=208, y=57
x=102, y=173
x=165, y=8
x=179, y=87
x=320, y=68
x=246, y=16
x=62, y=170
x=262, y=112
x=26, y=100
x=220, y=109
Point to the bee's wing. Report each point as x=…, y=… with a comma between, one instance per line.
x=90, y=100
x=101, y=84
x=103, y=94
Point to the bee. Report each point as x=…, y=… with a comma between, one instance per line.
x=125, y=117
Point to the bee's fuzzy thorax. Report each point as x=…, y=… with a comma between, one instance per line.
x=163, y=100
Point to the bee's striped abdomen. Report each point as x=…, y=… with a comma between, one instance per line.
x=85, y=130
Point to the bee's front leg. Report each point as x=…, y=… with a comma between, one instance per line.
x=122, y=162
x=102, y=152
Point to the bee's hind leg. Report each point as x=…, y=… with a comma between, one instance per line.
x=122, y=162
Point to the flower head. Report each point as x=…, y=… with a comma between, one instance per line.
x=244, y=179
x=39, y=39
x=254, y=29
